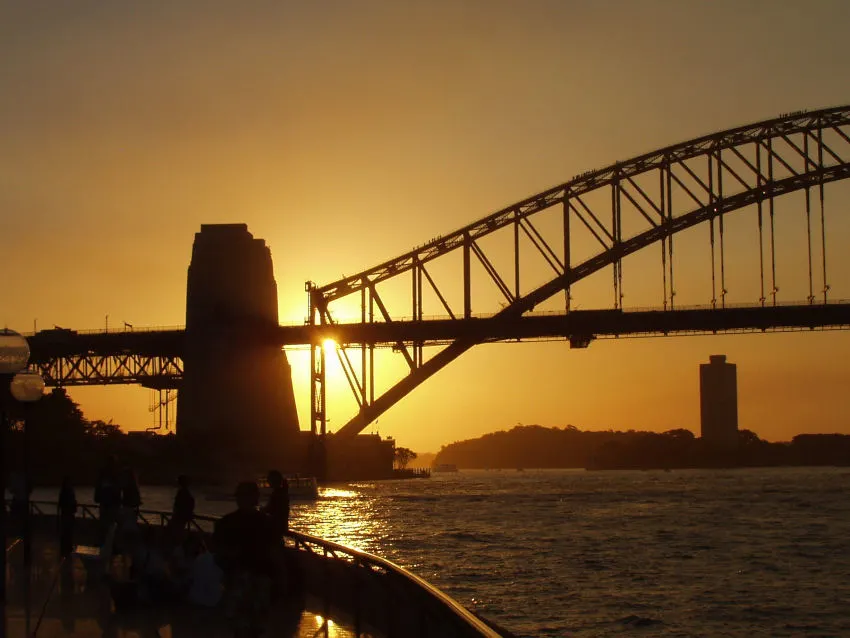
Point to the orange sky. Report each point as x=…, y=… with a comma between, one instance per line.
x=345, y=133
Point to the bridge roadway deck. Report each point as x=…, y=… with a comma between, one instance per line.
x=579, y=324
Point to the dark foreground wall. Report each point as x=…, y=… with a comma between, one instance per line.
x=236, y=402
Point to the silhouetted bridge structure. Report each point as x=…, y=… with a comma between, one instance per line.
x=629, y=207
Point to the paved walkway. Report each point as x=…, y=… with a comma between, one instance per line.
x=57, y=598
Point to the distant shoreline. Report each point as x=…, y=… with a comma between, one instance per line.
x=527, y=446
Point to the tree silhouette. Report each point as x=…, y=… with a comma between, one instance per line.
x=101, y=429
x=403, y=456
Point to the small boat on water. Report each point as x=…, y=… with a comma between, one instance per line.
x=301, y=488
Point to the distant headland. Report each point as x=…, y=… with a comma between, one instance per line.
x=527, y=446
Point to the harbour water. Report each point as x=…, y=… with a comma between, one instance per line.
x=749, y=552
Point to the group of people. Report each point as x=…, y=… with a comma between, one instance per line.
x=117, y=495
x=242, y=565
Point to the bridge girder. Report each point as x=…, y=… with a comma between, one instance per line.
x=164, y=372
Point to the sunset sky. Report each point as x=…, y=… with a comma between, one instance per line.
x=345, y=133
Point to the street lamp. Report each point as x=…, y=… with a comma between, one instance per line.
x=14, y=356
x=14, y=352
x=27, y=387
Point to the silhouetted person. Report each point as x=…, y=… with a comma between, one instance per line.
x=150, y=568
x=205, y=577
x=244, y=542
x=66, y=511
x=131, y=499
x=107, y=494
x=182, y=511
x=278, y=506
x=18, y=507
x=244, y=538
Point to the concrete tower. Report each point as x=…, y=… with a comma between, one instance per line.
x=236, y=403
x=718, y=398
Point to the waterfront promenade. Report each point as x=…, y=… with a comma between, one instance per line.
x=65, y=598
x=328, y=590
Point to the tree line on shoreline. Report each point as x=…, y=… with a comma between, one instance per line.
x=60, y=442
x=527, y=446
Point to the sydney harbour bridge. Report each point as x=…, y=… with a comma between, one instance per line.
x=487, y=281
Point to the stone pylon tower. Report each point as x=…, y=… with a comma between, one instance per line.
x=236, y=406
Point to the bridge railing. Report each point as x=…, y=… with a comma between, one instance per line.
x=97, y=331
x=375, y=592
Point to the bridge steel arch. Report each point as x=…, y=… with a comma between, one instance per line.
x=664, y=192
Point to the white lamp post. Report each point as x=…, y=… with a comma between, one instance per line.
x=14, y=356
x=27, y=387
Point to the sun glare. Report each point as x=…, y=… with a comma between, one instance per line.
x=329, y=345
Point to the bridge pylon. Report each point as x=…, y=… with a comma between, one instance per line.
x=236, y=397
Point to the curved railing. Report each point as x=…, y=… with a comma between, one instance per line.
x=396, y=576
x=374, y=591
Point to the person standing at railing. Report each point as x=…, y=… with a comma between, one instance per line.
x=182, y=511
x=278, y=506
x=107, y=494
x=66, y=510
x=131, y=500
x=18, y=507
x=277, y=509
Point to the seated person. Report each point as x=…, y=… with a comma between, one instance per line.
x=205, y=580
x=150, y=569
x=180, y=561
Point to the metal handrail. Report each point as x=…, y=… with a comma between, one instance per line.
x=371, y=560
x=304, y=542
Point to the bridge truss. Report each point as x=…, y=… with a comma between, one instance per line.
x=624, y=208
x=152, y=358
x=158, y=372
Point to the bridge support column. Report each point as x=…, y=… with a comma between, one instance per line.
x=236, y=405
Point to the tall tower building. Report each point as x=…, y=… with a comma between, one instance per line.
x=718, y=399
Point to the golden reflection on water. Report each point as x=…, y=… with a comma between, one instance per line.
x=335, y=492
x=329, y=629
x=343, y=516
